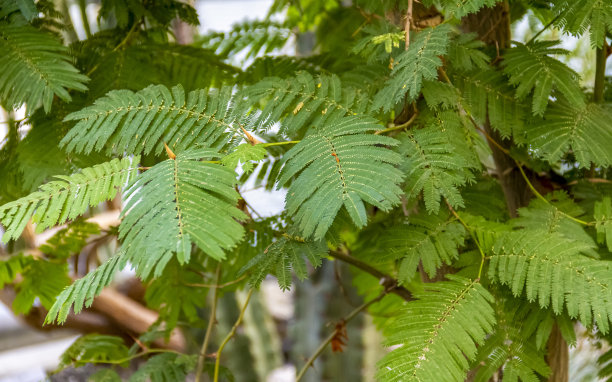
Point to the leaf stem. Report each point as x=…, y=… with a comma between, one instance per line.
x=329, y=338
x=278, y=143
x=398, y=127
x=551, y=22
x=127, y=359
x=542, y=198
x=218, y=286
x=211, y=323
x=471, y=232
x=231, y=334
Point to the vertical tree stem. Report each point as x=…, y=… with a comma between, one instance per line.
x=231, y=334
x=408, y=22
x=600, y=73
x=211, y=323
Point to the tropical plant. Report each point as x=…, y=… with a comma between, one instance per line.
x=462, y=177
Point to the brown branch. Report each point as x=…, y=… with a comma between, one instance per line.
x=408, y=22
x=388, y=282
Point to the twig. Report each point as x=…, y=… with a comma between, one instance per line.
x=471, y=232
x=399, y=127
x=407, y=25
x=231, y=334
x=386, y=280
x=539, y=196
x=551, y=22
x=211, y=323
x=329, y=338
x=218, y=286
x=126, y=359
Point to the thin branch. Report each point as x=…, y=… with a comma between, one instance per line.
x=126, y=359
x=231, y=334
x=218, y=286
x=399, y=127
x=551, y=22
x=471, y=232
x=211, y=323
x=539, y=196
x=333, y=334
x=408, y=22
x=386, y=280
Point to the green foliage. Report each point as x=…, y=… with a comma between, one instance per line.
x=245, y=155
x=531, y=67
x=340, y=165
x=437, y=160
x=458, y=9
x=303, y=101
x=584, y=130
x=429, y=239
x=105, y=375
x=283, y=256
x=165, y=367
x=551, y=269
x=82, y=292
x=576, y=16
x=420, y=62
x=10, y=267
x=35, y=68
x=94, y=348
x=437, y=332
x=42, y=280
x=143, y=122
x=176, y=203
x=61, y=200
x=71, y=240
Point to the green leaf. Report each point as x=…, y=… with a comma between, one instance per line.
x=578, y=16
x=176, y=202
x=94, y=348
x=430, y=239
x=531, y=67
x=340, y=165
x=71, y=240
x=42, y=279
x=61, y=200
x=552, y=269
x=437, y=332
x=82, y=291
x=35, y=68
x=245, y=154
x=460, y=8
x=142, y=122
x=11, y=267
x=584, y=131
x=165, y=367
x=105, y=375
x=420, y=62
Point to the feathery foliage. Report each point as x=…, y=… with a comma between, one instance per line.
x=576, y=16
x=94, y=348
x=340, y=165
x=420, y=62
x=176, y=203
x=142, y=122
x=531, y=67
x=303, y=101
x=552, y=270
x=437, y=332
x=458, y=9
x=42, y=280
x=603, y=219
x=429, y=239
x=35, y=67
x=61, y=200
x=165, y=367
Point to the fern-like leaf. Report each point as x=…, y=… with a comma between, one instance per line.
x=579, y=15
x=281, y=257
x=35, y=68
x=438, y=160
x=584, y=130
x=530, y=67
x=437, y=332
x=42, y=280
x=551, y=269
x=82, y=291
x=340, y=165
x=94, y=348
x=432, y=239
x=165, y=367
x=460, y=8
x=245, y=155
x=142, y=122
x=420, y=62
x=303, y=101
x=61, y=200
x=177, y=202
